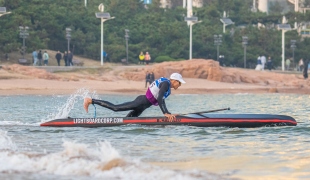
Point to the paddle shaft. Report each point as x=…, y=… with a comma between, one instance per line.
x=215, y=110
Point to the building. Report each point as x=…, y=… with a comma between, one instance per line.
x=169, y=3
x=264, y=5
x=300, y=5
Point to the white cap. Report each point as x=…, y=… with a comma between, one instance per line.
x=177, y=76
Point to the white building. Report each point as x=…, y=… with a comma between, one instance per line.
x=168, y=3
x=197, y=3
x=299, y=5
x=263, y=5
x=165, y=3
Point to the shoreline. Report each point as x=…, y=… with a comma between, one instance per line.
x=193, y=86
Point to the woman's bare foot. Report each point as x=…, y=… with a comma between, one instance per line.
x=87, y=102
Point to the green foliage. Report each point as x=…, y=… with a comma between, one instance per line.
x=160, y=59
x=153, y=29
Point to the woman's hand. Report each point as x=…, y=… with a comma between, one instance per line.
x=170, y=117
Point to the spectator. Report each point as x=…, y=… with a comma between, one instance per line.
x=263, y=60
x=66, y=58
x=58, y=57
x=107, y=57
x=305, y=73
x=35, y=57
x=221, y=60
x=147, y=58
x=301, y=64
x=6, y=56
x=258, y=59
x=259, y=64
x=141, y=58
x=147, y=78
x=40, y=57
x=70, y=57
x=152, y=77
x=269, y=63
x=45, y=58
x=288, y=63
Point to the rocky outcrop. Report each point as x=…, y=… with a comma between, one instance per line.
x=197, y=68
x=30, y=71
x=210, y=70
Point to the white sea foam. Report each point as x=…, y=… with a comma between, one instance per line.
x=17, y=123
x=64, y=110
x=241, y=94
x=6, y=142
x=82, y=160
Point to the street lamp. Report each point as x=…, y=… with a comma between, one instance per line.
x=293, y=46
x=191, y=21
x=23, y=33
x=284, y=27
x=244, y=44
x=126, y=37
x=226, y=21
x=68, y=37
x=104, y=17
x=3, y=11
x=217, y=42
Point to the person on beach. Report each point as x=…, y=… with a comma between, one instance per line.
x=65, y=56
x=269, y=64
x=155, y=95
x=263, y=61
x=35, y=57
x=58, y=57
x=147, y=58
x=152, y=77
x=141, y=58
x=40, y=57
x=301, y=64
x=147, y=78
x=305, y=72
x=45, y=58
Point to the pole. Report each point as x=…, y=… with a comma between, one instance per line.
x=101, y=56
x=223, y=28
x=217, y=56
x=126, y=50
x=293, y=57
x=244, y=56
x=283, y=41
x=190, y=40
x=24, y=47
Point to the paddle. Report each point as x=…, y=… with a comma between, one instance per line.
x=215, y=110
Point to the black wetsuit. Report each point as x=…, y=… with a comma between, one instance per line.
x=138, y=105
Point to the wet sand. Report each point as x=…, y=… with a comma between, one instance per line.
x=193, y=86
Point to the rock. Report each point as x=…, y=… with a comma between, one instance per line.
x=273, y=90
x=31, y=71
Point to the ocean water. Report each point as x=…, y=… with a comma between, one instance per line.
x=28, y=151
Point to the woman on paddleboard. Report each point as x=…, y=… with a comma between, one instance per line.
x=155, y=95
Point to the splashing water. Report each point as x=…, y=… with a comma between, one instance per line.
x=82, y=160
x=64, y=110
x=6, y=142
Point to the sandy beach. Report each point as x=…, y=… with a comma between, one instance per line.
x=193, y=86
x=117, y=79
